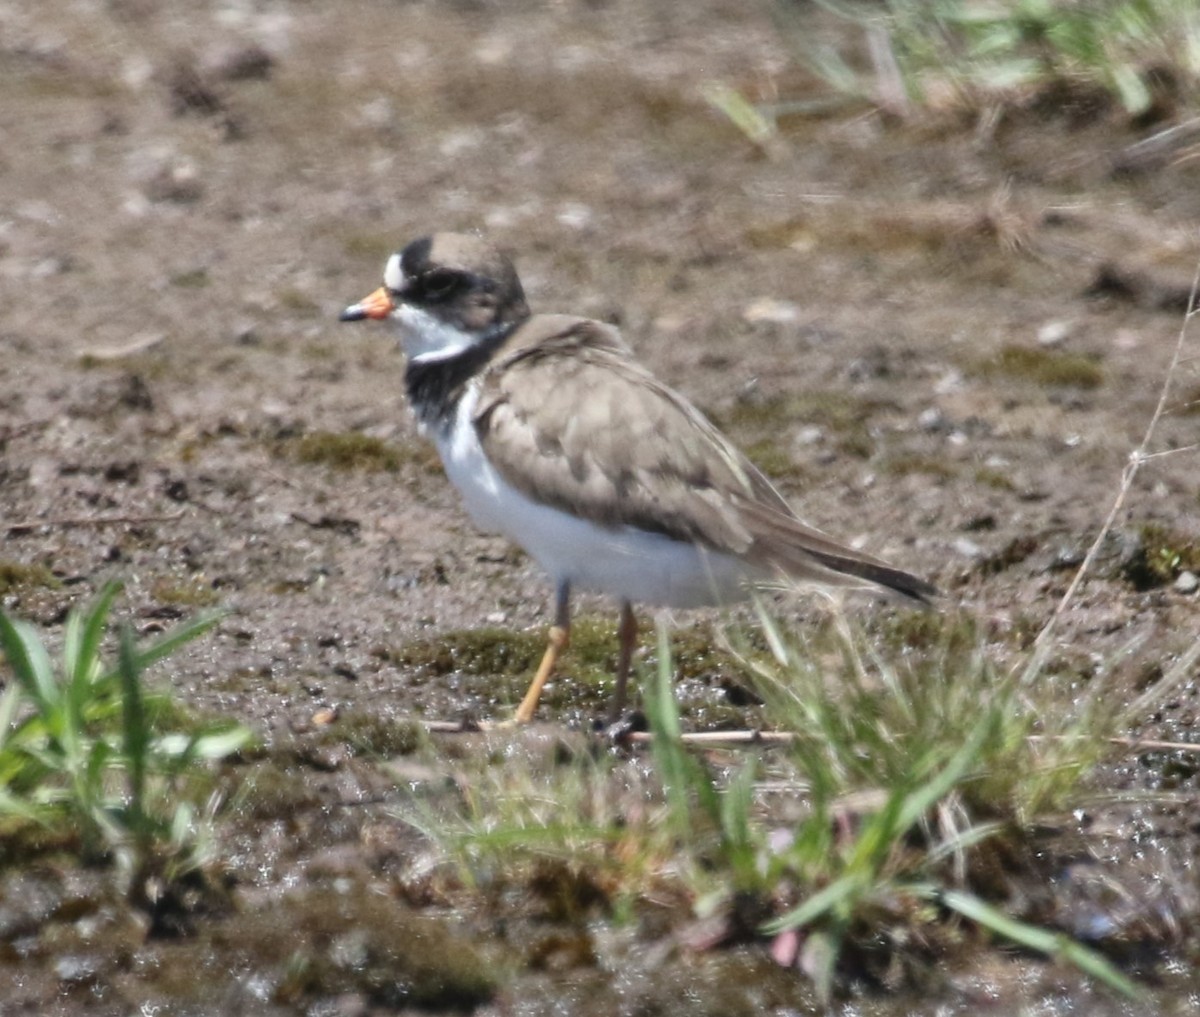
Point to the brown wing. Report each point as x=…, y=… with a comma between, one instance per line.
x=633, y=452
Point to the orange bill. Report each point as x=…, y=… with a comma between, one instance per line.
x=378, y=305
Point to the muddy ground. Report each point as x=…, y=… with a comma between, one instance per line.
x=942, y=335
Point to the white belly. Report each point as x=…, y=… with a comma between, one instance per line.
x=626, y=563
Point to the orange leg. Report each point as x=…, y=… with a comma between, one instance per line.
x=627, y=631
x=559, y=640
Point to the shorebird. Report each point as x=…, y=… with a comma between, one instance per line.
x=556, y=437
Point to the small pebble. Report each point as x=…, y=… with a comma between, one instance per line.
x=931, y=419
x=967, y=548
x=771, y=311
x=1187, y=582
x=574, y=215
x=1053, y=332
x=949, y=382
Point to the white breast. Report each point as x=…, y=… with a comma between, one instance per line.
x=624, y=562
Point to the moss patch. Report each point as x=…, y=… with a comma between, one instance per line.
x=373, y=247
x=1051, y=368
x=367, y=944
x=369, y=734
x=845, y=418
x=351, y=450
x=191, y=591
x=905, y=464
x=298, y=303
x=16, y=576
x=192, y=279
x=274, y=789
x=774, y=461
x=497, y=664
x=1161, y=556
x=473, y=651
x=358, y=942
x=345, y=451
x=989, y=477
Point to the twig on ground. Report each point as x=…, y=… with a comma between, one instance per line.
x=64, y=522
x=754, y=737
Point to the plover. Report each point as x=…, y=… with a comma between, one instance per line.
x=556, y=437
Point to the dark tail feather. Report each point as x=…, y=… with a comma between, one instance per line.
x=891, y=578
x=782, y=541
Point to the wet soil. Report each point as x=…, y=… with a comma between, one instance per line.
x=942, y=336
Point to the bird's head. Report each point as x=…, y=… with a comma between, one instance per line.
x=447, y=293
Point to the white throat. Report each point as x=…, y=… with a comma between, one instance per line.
x=426, y=338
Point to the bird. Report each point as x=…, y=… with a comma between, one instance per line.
x=557, y=437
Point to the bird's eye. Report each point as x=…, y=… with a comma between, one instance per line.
x=439, y=284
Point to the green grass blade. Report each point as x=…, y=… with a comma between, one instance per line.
x=880, y=833
x=836, y=897
x=210, y=745
x=552, y=839
x=670, y=756
x=29, y=661
x=770, y=629
x=821, y=953
x=740, y=112
x=8, y=712
x=1052, y=944
x=81, y=647
x=135, y=730
x=19, y=807
x=964, y=839
x=83, y=698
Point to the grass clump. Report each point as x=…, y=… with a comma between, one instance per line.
x=908, y=772
x=858, y=848
x=84, y=749
x=1042, y=367
x=935, y=52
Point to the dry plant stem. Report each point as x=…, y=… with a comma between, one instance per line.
x=1136, y=458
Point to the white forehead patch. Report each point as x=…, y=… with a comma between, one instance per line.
x=393, y=275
